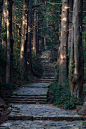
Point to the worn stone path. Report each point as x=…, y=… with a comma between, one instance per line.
x=29, y=109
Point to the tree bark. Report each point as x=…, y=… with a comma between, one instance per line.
x=63, y=44
x=8, y=45
x=35, y=33
x=23, y=38
x=29, y=36
x=4, y=20
x=11, y=37
x=76, y=69
x=70, y=22
x=1, y=5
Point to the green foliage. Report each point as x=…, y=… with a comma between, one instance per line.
x=84, y=90
x=72, y=68
x=61, y=96
x=84, y=20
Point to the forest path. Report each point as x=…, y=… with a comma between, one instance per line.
x=29, y=108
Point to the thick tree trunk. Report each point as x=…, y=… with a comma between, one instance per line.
x=36, y=31
x=76, y=70
x=8, y=45
x=63, y=45
x=23, y=37
x=11, y=37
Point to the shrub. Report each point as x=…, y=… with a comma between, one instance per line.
x=61, y=96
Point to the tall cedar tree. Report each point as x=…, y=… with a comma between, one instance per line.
x=76, y=70
x=63, y=44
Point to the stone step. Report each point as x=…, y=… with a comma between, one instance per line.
x=44, y=81
x=37, y=85
x=39, y=95
x=58, y=118
x=49, y=70
x=49, y=74
x=45, y=77
x=41, y=112
x=43, y=124
x=28, y=102
x=25, y=99
x=49, y=64
x=50, y=80
x=31, y=91
x=47, y=81
x=31, y=97
x=48, y=67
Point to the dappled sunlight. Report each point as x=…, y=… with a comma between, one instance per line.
x=75, y=71
x=22, y=48
x=66, y=7
x=62, y=59
x=64, y=19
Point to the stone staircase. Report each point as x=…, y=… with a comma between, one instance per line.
x=28, y=108
x=36, y=92
x=30, y=94
x=48, y=66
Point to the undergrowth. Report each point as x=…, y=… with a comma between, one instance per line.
x=60, y=95
x=6, y=89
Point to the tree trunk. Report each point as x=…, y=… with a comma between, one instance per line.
x=1, y=4
x=35, y=32
x=63, y=45
x=30, y=35
x=76, y=70
x=23, y=37
x=4, y=20
x=70, y=22
x=11, y=37
x=8, y=45
x=37, y=51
